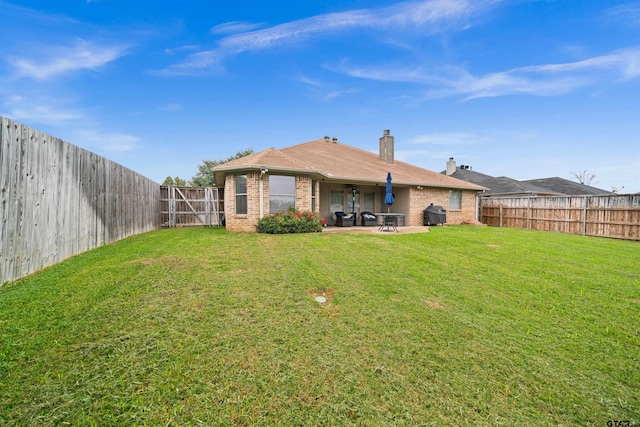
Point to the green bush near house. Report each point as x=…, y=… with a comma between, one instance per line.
x=292, y=221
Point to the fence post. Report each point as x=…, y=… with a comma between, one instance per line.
x=500, y=215
x=584, y=217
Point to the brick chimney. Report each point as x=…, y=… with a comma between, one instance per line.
x=386, y=147
x=451, y=167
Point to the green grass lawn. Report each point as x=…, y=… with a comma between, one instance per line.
x=460, y=326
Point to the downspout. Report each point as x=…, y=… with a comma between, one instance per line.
x=263, y=172
x=261, y=195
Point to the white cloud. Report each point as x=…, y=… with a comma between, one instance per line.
x=540, y=80
x=179, y=49
x=234, y=27
x=625, y=62
x=63, y=60
x=627, y=15
x=173, y=106
x=322, y=91
x=339, y=93
x=47, y=111
x=309, y=81
x=430, y=15
x=553, y=79
x=210, y=61
x=108, y=142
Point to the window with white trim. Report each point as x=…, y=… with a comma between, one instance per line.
x=455, y=199
x=241, y=194
x=282, y=193
x=314, y=185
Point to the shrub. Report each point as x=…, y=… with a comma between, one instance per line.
x=292, y=221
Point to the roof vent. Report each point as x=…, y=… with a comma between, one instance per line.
x=335, y=139
x=326, y=138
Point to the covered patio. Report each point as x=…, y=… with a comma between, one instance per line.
x=358, y=198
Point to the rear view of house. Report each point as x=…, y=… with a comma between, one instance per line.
x=327, y=176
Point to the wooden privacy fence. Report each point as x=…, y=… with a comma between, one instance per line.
x=616, y=216
x=58, y=200
x=190, y=206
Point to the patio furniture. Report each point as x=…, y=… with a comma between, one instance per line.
x=344, y=220
x=368, y=219
x=389, y=221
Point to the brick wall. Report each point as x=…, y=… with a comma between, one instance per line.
x=248, y=222
x=303, y=193
x=421, y=198
x=468, y=211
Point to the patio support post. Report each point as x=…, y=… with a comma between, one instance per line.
x=353, y=203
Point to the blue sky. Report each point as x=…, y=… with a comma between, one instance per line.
x=524, y=89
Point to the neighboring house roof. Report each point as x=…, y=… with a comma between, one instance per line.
x=503, y=185
x=499, y=185
x=566, y=187
x=335, y=161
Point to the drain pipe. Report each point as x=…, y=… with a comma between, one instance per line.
x=263, y=172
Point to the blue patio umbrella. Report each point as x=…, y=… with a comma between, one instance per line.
x=388, y=198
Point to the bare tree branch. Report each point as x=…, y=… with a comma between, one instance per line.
x=584, y=177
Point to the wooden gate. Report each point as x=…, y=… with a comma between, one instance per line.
x=190, y=206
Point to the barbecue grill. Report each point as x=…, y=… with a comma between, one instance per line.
x=434, y=215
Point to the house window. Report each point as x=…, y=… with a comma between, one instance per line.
x=282, y=193
x=455, y=199
x=241, y=194
x=337, y=201
x=314, y=184
x=368, y=201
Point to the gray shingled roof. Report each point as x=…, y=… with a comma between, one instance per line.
x=564, y=186
x=503, y=185
x=498, y=185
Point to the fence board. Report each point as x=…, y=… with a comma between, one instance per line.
x=57, y=200
x=615, y=216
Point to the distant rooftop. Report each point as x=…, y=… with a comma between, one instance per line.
x=503, y=185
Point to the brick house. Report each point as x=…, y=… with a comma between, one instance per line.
x=327, y=176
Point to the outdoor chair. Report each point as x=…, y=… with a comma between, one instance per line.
x=368, y=219
x=344, y=220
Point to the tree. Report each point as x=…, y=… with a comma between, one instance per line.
x=205, y=178
x=584, y=176
x=177, y=181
